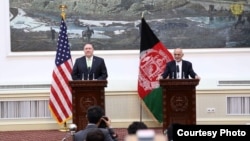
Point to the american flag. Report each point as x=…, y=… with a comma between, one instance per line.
x=60, y=102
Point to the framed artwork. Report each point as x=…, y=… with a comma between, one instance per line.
x=115, y=24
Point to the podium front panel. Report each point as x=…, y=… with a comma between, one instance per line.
x=179, y=101
x=84, y=95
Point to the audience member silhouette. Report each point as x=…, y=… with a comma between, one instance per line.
x=112, y=133
x=169, y=132
x=136, y=125
x=95, y=135
x=95, y=116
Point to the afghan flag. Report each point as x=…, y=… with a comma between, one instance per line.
x=153, y=58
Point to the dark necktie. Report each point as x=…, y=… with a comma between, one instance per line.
x=177, y=71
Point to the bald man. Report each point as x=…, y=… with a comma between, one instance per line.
x=179, y=68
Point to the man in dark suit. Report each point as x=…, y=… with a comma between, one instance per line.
x=89, y=67
x=178, y=68
x=94, y=116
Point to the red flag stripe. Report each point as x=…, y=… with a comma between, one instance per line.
x=55, y=112
x=57, y=101
x=62, y=90
x=66, y=76
x=59, y=107
x=61, y=97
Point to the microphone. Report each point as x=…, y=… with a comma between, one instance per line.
x=82, y=76
x=89, y=68
x=177, y=71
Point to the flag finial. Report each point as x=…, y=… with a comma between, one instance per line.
x=142, y=14
x=63, y=7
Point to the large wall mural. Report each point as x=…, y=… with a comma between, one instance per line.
x=115, y=24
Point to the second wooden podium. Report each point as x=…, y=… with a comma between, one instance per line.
x=84, y=94
x=179, y=101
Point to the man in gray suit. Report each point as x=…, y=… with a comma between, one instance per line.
x=95, y=117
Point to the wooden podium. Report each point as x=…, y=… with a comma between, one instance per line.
x=84, y=94
x=179, y=101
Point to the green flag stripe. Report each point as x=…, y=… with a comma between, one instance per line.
x=154, y=103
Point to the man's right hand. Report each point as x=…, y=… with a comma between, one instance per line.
x=159, y=77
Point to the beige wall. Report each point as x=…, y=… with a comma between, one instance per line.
x=217, y=99
x=124, y=107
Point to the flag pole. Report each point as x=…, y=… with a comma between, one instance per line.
x=140, y=110
x=142, y=15
x=64, y=128
x=63, y=7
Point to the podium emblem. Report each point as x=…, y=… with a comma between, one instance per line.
x=87, y=101
x=179, y=103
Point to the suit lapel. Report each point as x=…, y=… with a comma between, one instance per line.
x=184, y=66
x=173, y=69
x=84, y=63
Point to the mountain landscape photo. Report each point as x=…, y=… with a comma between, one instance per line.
x=115, y=24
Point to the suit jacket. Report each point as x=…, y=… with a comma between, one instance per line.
x=187, y=70
x=82, y=134
x=97, y=71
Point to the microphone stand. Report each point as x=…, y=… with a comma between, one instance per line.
x=65, y=137
x=72, y=129
x=72, y=134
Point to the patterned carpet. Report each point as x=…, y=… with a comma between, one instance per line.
x=50, y=135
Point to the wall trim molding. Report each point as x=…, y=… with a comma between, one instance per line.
x=233, y=83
